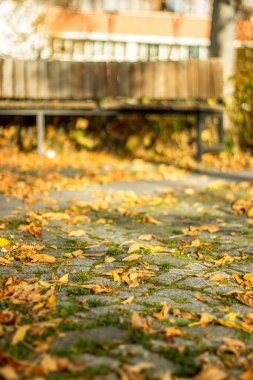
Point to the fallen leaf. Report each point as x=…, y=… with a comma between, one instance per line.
x=4, y=261
x=134, y=247
x=200, y=298
x=7, y=372
x=97, y=288
x=136, y=320
x=173, y=331
x=110, y=259
x=132, y=257
x=77, y=233
x=163, y=313
x=211, y=372
x=128, y=300
x=147, y=237
x=4, y=242
x=20, y=334
x=150, y=219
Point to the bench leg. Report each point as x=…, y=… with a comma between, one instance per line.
x=221, y=129
x=40, y=123
x=200, y=121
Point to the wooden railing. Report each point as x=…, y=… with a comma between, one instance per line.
x=61, y=80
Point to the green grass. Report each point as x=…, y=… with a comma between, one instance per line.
x=186, y=362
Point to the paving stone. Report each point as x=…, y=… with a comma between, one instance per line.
x=98, y=361
x=98, y=335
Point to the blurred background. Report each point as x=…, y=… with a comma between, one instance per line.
x=133, y=30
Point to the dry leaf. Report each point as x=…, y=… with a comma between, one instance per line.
x=128, y=300
x=173, y=331
x=4, y=242
x=136, y=320
x=163, y=313
x=20, y=334
x=97, y=288
x=211, y=372
x=218, y=277
x=4, y=261
x=200, y=298
x=77, y=233
x=234, y=343
x=110, y=259
x=132, y=257
x=147, y=237
x=8, y=373
x=134, y=247
x=150, y=219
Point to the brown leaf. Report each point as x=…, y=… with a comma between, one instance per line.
x=211, y=372
x=8, y=373
x=20, y=334
x=132, y=257
x=97, y=288
x=136, y=320
x=163, y=313
x=77, y=233
x=173, y=331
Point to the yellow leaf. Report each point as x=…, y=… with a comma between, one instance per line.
x=249, y=220
x=4, y=242
x=211, y=372
x=200, y=298
x=132, y=257
x=145, y=237
x=128, y=300
x=64, y=279
x=163, y=313
x=173, y=331
x=42, y=258
x=116, y=277
x=109, y=259
x=77, y=233
x=150, y=219
x=248, y=277
x=20, y=334
x=51, y=302
x=134, y=247
x=218, y=278
x=4, y=261
x=136, y=320
x=195, y=243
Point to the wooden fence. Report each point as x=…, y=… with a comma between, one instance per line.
x=62, y=80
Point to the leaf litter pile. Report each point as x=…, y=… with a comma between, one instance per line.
x=122, y=269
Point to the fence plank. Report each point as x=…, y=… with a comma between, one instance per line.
x=147, y=69
x=193, y=79
x=112, y=79
x=123, y=79
x=19, y=79
x=170, y=92
x=204, y=80
x=101, y=80
x=159, y=80
x=88, y=79
x=216, y=79
x=136, y=80
x=43, y=92
x=181, y=80
x=65, y=80
x=31, y=73
x=53, y=72
x=8, y=78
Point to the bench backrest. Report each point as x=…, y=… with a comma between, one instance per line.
x=171, y=80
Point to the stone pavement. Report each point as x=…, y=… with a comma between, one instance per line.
x=149, y=281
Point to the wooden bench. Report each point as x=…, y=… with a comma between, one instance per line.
x=43, y=88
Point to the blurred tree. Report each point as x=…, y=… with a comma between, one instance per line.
x=223, y=29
